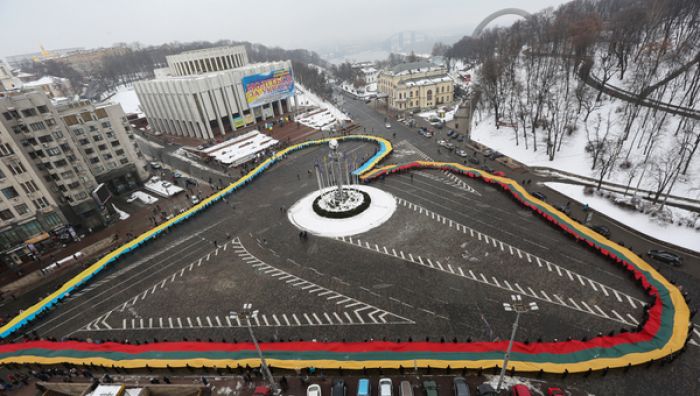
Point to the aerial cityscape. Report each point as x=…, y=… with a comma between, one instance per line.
x=488, y=198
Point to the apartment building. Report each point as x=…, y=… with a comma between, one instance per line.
x=207, y=93
x=416, y=86
x=54, y=155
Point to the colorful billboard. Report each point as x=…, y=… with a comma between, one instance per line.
x=267, y=87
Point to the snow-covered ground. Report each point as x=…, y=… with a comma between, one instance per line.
x=126, y=97
x=143, y=197
x=573, y=157
x=162, y=188
x=671, y=233
x=449, y=114
x=327, y=118
x=122, y=214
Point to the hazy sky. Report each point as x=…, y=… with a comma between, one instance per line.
x=287, y=23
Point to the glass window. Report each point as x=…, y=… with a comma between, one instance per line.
x=53, y=219
x=22, y=209
x=42, y=109
x=6, y=215
x=9, y=192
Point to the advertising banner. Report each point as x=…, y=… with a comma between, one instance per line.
x=267, y=87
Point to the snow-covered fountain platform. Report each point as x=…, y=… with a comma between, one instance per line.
x=338, y=207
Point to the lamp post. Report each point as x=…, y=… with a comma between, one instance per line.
x=246, y=313
x=519, y=307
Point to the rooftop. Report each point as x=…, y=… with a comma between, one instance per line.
x=411, y=67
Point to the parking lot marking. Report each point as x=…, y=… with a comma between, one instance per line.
x=199, y=322
x=189, y=322
x=600, y=310
x=521, y=254
x=631, y=302
x=634, y=320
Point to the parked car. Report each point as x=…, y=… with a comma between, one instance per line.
x=155, y=165
x=387, y=125
x=539, y=195
x=474, y=160
x=194, y=199
x=442, y=143
x=427, y=134
x=495, y=155
x=338, y=388
x=262, y=391
x=462, y=153
x=363, y=387
x=314, y=390
x=177, y=174
x=450, y=146
x=487, y=168
x=602, y=230
x=451, y=133
x=430, y=388
x=487, y=152
x=520, y=390
x=554, y=391
x=460, y=138
x=485, y=390
x=405, y=389
x=460, y=387
x=499, y=173
x=665, y=257
x=386, y=387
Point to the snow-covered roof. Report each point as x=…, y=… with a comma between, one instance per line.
x=406, y=68
x=426, y=81
x=368, y=70
x=43, y=81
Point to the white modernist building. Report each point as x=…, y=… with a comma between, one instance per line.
x=208, y=93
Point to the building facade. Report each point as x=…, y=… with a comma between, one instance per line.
x=55, y=154
x=207, y=93
x=416, y=86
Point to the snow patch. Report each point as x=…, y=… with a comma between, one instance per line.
x=681, y=236
x=302, y=215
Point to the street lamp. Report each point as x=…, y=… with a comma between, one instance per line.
x=519, y=307
x=246, y=314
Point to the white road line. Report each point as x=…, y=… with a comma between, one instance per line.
x=631, y=302
x=317, y=318
x=359, y=317
x=189, y=322
x=483, y=277
x=199, y=322
x=328, y=318
x=580, y=279
x=296, y=319
x=337, y=317
x=496, y=281
x=520, y=288
x=617, y=295
x=170, y=322
x=600, y=310
x=568, y=273
x=439, y=266
x=284, y=316
x=592, y=285
x=505, y=282
x=605, y=290
x=545, y=295
x=460, y=271
x=348, y=317
x=265, y=320
x=587, y=307
x=179, y=322
x=274, y=317
x=635, y=321
x=574, y=303
x=160, y=322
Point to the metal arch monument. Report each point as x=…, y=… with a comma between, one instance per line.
x=506, y=11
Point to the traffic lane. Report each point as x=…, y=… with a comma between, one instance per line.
x=393, y=279
x=578, y=257
x=198, y=233
x=431, y=242
x=74, y=314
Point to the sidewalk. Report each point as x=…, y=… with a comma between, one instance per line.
x=92, y=246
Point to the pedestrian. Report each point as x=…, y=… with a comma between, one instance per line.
x=411, y=178
x=216, y=245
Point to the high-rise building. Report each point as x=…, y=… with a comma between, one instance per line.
x=54, y=156
x=208, y=93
